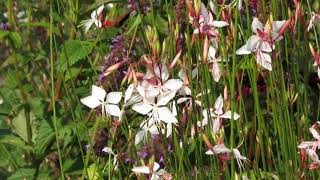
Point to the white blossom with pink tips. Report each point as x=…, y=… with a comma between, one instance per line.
x=155, y=171
x=216, y=115
x=263, y=42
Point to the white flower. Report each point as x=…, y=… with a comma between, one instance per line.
x=218, y=149
x=94, y=19
x=216, y=115
x=215, y=68
x=157, y=81
x=239, y=157
x=155, y=108
x=108, y=102
x=262, y=42
x=156, y=172
x=311, y=144
x=207, y=25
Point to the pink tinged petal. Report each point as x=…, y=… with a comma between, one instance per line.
x=243, y=50
x=216, y=72
x=227, y=115
x=91, y=102
x=141, y=169
x=166, y=116
x=218, y=149
x=142, y=108
x=113, y=110
x=265, y=46
x=264, y=60
x=173, y=84
x=204, y=11
x=216, y=125
x=139, y=136
x=256, y=24
x=98, y=93
x=161, y=71
x=165, y=98
x=211, y=53
x=97, y=12
x=314, y=133
x=218, y=105
x=253, y=42
x=305, y=145
x=219, y=23
x=114, y=97
x=313, y=155
x=277, y=25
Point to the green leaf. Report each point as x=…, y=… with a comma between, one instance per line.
x=16, y=39
x=45, y=136
x=35, y=24
x=3, y=33
x=23, y=173
x=73, y=51
x=19, y=125
x=15, y=141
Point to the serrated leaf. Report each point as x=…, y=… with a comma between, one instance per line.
x=23, y=173
x=72, y=52
x=19, y=125
x=45, y=136
x=15, y=141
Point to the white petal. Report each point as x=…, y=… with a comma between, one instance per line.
x=98, y=92
x=113, y=110
x=97, y=12
x=227, y=115
x=253, y=43
x=305, y=144
x=265, y=46
x=264, y=60
x=128, y=93
x=169, y=129
x=162, y=71
x=212, y=53
x=141, y=169
x=153, y=130
x=256, y=24
x=216, y=72
x=139, y=137
x=213, y=7
x=209, y=152
x=277, y=25
x=142, y=108
x=243, y=50
x=218, y=105
x=107, y=150
x=173, y=84
x=156, y=166
x=216, y=123
x=238, y=155
x=219, y=23
x=314, y=133
x=91, y=102
x=204, y=11
x=114, y=97
x=319, y=72
x=221, y=148
x=166, y=116
x=165, y=98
